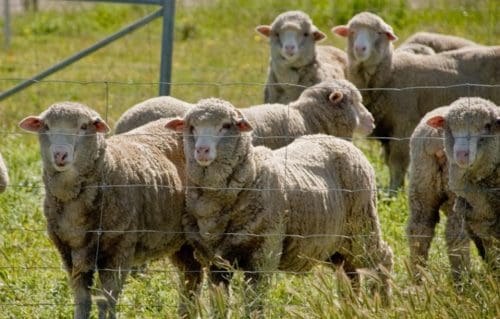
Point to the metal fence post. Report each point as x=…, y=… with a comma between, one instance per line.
x=6, y=26
x=167, y=44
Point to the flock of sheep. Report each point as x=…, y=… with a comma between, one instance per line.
x=279, y=186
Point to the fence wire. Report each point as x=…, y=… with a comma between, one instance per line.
x=104, y=186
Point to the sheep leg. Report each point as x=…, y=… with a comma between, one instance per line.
x=191, y=276
x=424, y=215
x=81, y=283
x=384, y=264
x=458, y=245
x=254, y=301
x=219, y=294
x=397, y=160
x=111, y=285
x=339, y=261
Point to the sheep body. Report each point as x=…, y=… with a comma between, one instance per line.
x=4, y=175
x=150, y=110
x=319, y=205
x=428, y=193
x=145, y=176
x=397, y=112
x=436, y=42
x=472, y=145
x=330, y=107
x=303, y=64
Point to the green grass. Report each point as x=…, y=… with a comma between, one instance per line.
x=216, y=53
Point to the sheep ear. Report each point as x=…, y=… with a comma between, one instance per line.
x=336, y=97
x=101, y=126
x=175, y=125
x=436, y=121
x=318, y=35
x=31, y=123
x=265, y=30
x=244, y=126
x=341, y=30
x=391, y=36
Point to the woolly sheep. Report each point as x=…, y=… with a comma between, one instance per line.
x=416, y=48
x=372, y=63
x=4, y=177
x=150, y=110
x=76, y=161
x=236, y=188
x=472, y=145
x=330, y=107
x=428, y=193
x=435, y=42
x=295, y=61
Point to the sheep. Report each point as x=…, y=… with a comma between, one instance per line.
x=4, y=176
x=295, y=61
x=101, y=194
x=410, y=85
x=150, y=110
x=330, y=107
x=320, y=204
x=428, y=193
x=431, y=42
x=472, y=145
x=416, y=48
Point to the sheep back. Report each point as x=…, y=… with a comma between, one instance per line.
x=150, y=110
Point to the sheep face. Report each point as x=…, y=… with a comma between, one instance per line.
x=66, y=135
x=292, y=37
x=470, y=131
x=369, y=38
x=343, y=102
x=209, y=131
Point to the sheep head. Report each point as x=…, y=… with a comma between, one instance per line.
x=68, y=134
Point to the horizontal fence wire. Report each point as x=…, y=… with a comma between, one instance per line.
x=100, y=231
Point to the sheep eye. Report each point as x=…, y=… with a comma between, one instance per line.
x=306, y=34
x=226, y=126
x=83, y=127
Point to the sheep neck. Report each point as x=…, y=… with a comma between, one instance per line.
x=372, y=75
x=69, y=185
x=212, y=203
x=292, y=72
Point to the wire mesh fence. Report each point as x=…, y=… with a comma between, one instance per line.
x=111, y=97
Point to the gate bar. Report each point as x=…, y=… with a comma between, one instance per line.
x=130, y=28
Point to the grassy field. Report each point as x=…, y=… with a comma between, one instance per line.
x=216, y=53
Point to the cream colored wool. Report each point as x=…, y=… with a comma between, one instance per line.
x=397, y=112
x=312, y=201
x=4, y=175
x=143, y=177
x=316, y=63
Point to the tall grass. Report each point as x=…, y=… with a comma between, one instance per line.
x=216, y=53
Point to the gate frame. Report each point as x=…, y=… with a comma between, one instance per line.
x=167, y=11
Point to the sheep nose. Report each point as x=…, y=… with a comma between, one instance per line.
x=202, y=150
x=462, y=157
x=290, y=49
x=60, y=154
x=361, y=49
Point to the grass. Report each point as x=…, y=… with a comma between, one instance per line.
x=216, y=53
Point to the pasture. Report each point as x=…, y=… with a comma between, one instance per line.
x=216, y=53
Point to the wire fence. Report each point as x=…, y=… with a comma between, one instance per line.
x=110, y=107
x=100, y=231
